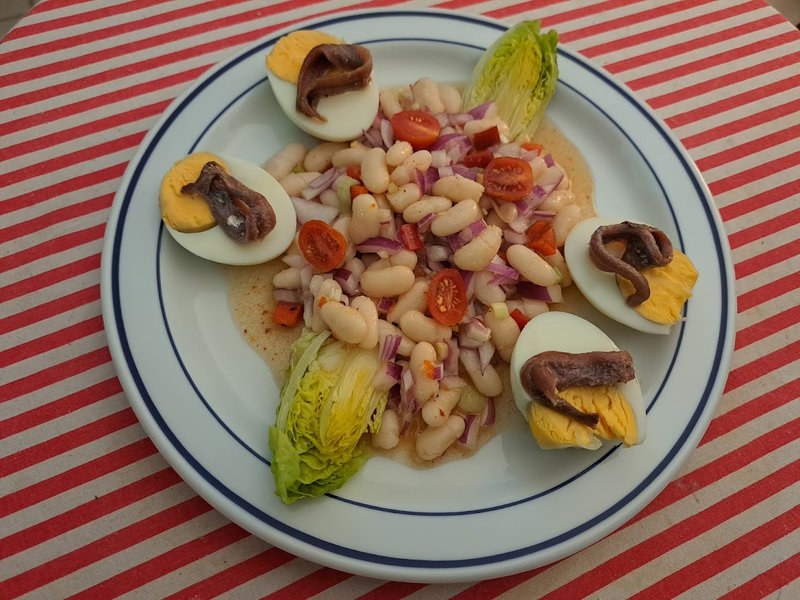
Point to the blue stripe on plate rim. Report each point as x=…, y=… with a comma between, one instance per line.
x=369, y=557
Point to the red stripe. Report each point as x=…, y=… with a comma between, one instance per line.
x=687, y=69
x=722, y=558
x=672, y=537
x=754, y=174
x=752, y=94
x=68, y=135
x=64, y=111
x=693, y=45
x=751, y=121
x=51, y=341
x=750, y=147
x=50, y=278
x=121, y=28
x=170, y=561
x=769, y=291
x=80, y=436
x=767, y=259
x=552, y=20
x=54, y=307
x=767, y=582
x=104, y=547
x=310, y=585
x=492, y=588
x=767, y=327
x=393, y=590
x=97, y=508
x=81, y=155
x=59, y=408
x=53, y=374
x=52, y=247
x=225, y=580
x=765, y=228
x=79, y=182
x=57, y=216
x=752, y=409
x=758, y=201
x=76, y=476
x=763, y=364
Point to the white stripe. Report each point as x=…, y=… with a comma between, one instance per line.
x=758, y=313
x=753, y=188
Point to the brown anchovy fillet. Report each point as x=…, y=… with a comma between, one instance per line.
x=545, y=373
x=331, y=69
x=645, y=246
x=244, y=214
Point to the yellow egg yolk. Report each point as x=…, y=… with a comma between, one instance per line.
x=290, y=51
x=185, y=212
x=552, y=429
x=670, y=287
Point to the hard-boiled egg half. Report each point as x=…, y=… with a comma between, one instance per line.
x=619, y=407
x=189, y=220
x=344, y=115
x=670, y=285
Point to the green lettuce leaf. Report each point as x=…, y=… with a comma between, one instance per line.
x=327, y=405
x=519, y=73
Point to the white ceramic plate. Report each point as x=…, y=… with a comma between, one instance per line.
x=206, y=399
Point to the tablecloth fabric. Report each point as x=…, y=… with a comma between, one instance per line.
x=90, y=509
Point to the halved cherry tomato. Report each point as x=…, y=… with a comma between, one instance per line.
x=541, y=238
x=409, y=236
x=530, y=146
x=481, y=158
x=354, y=171
x=287, y=313
x=418, y=128
x=508, y=179
x=357, y=190
x=447, y=297
x=520, y=317
x=321, y=245
x=487, y=137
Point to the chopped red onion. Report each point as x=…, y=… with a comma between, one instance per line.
x=322, y=182
x=460, y=119
x=307, y=210
x=387, y=378
x=466, y=172
x=512, y=149
x=502, y=269
x=472, y=425
x=485, y=353
x=431, y=177
x=443, y=119
x=391, y=343
x=549, y=161
x=514, y=237
x=424, y=224
x=437, y=253
x=526, y=289
x=384, y=305
x=287, y=295
x=347, y=280
x=387, y=133
x=488, y=414
x=474, y=333
x=380, y=244
x=482, y=110
x=445, y=171
x=297, y=261
x=439, y=158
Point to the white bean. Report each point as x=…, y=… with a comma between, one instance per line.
x=329, y=197
x=325, y=291
x=478, y=253
x=531, y=266
x=367, y=309
x=287, y=278
x=403, y=196
x=391, y=281
x=402, y=174
x=488, y=381
x=342, y=225
x=365, y=221
x=421, y=363
x=478, y=125
x=422, y=328
x=556, y=200
x=486, y=292
x=426, y=94
x=374, y=173
x=416, y=298
x=385, y=329
x=564, y=221
x=507, y=211
x=294, y=183
x=398, y=153
x=457, y=188
x=456, y=218
x=319, y=158
x=436, y=410
x=404, y=257
x=426, y=205
x=348, y=157
x=433, y=441
x=390, y=103
x=505, y=332
x=345, y=322
x=420, y=160
x=280, y=164
x=388, y=436
x=450, y=97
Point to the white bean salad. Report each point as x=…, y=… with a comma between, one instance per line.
x=431, y=239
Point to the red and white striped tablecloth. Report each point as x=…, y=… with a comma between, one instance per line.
x=90, y=509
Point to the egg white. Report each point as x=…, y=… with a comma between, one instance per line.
x=215, y=245
x=348, y=114
x=599, y=287
x=565, y=332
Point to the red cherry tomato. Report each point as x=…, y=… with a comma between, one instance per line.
x=508, y=179
x=447, y=297
x=541, y=238
x=321, y=245
x=409, y=236
x=481, y=158
x=487, y=137
x=418, y=128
